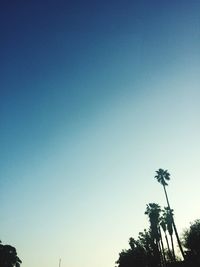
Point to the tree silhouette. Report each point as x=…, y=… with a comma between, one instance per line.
x=167, y=218
x=146, y=241
x=191, y=240
x=153, y=211
x=136, y=256
x=145, y=251
x=162, y=177
x=148, y=249
x=141, y=252
x=164, y=228
x=8, y=256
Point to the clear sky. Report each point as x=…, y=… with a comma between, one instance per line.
x=95, y=96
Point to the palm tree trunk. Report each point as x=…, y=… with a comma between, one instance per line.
x=160, y=254
x=177, y=237
x=172, y=243
x=156, y=254
x=174, y=226
x=162, y=248
x=169, y=250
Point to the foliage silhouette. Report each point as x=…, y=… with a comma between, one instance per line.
x=141, y=252
x=163, y=225
x=163, y=176
x=153, y=211
x=8, y=256
x=167, y=218
x=192, y=243
x=148, y=249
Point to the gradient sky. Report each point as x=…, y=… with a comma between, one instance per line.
x=95, y=96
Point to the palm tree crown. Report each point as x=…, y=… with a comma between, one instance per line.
x=162, y=176
x=168, y=218
x=153, y=211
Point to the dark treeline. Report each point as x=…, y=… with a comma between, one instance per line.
x=154, y=247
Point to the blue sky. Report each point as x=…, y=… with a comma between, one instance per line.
x=95, y=97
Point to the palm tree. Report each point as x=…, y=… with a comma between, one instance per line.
x=168, y=221
x=153, y=211
x=164, y=228
x=162, y=177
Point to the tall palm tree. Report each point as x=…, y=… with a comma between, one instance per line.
x=168, y=221
x=162, y=177
x=164, y=228
x=153, y=211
